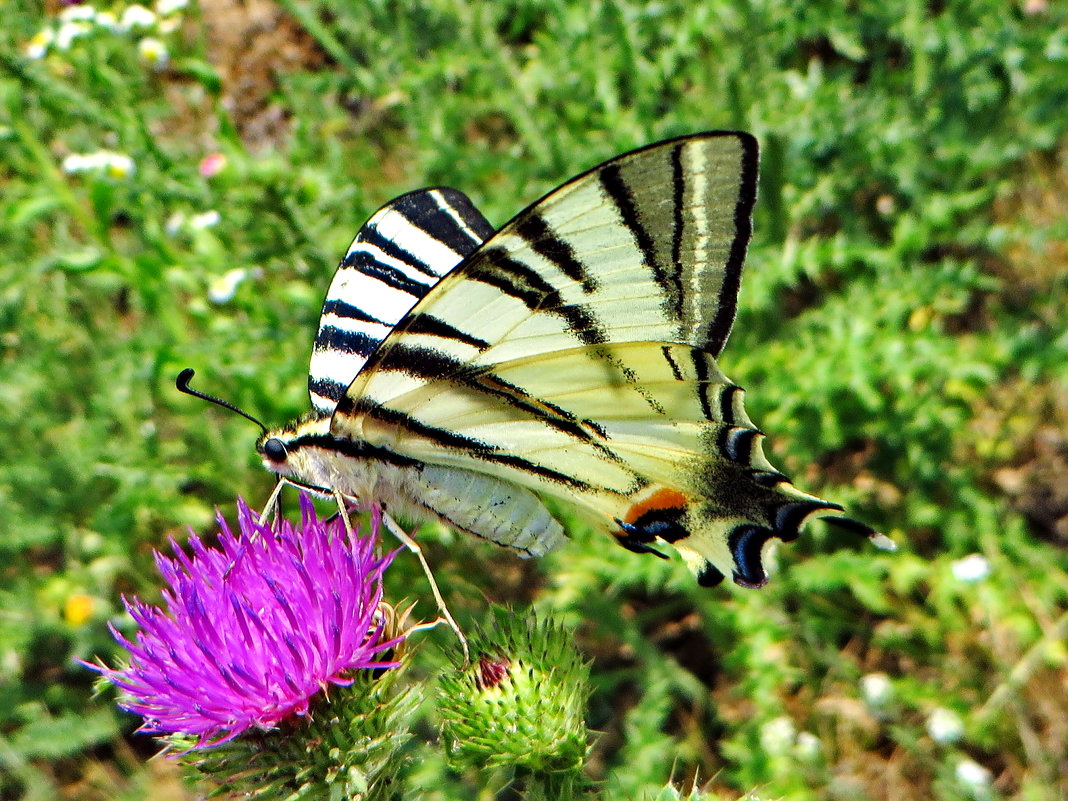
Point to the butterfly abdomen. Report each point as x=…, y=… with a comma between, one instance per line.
x=495, y=510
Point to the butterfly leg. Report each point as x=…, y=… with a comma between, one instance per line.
x=413, y=546
x=398, y=532
x=272, y=502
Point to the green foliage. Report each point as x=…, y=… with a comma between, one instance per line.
x=901, y=332
x=349, y=746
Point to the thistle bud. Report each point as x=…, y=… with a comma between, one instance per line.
x=519, y=702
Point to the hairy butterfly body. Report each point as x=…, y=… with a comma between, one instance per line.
x=467, y=374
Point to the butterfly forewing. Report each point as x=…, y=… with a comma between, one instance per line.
x=395, y=259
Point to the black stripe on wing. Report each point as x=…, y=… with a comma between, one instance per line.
x=434, y=365
x=356, y=449
x=675, y=371
x=736, y=443
x=546, y=243
x=616, y=189
x=425, y=210
x=678, y=197
x=726, y=403
x=520, y=281
x=326, y=388
x=701, y=368
x=364, y=262
x=719, y=327
x=434, y=326
x=339, y=339
x=469, y=445
x=348, y=311
x=394, y=249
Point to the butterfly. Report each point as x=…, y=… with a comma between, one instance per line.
x=466, y=374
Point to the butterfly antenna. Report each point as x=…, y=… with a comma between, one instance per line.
x=182, y=382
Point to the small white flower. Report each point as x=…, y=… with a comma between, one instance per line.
x=117, y=165
x=165, y=7
x=169, y=25
x=74, y=13
x=37, y=47
x=69, y=31
x=876, y=689
x=973, y=775
x=945, y=726
x=106, y=19
x=972, y=568
x=205, y=219
x=153, y=52
x=777, y=736
x=75, y=162
x=94, y=161
x=174, y=224
x=808, y=746
x=137, y=16
x=223, y=288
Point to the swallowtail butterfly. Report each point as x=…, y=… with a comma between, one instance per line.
x=466, y=374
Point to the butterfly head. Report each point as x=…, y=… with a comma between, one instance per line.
x=292, y=450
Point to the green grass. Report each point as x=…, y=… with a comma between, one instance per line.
x=901, y=333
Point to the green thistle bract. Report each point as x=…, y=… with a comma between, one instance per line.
x=519, y=702
x=349, y=747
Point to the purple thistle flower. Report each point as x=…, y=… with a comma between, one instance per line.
x=253, y=629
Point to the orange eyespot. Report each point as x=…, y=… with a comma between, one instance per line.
x=657, y=498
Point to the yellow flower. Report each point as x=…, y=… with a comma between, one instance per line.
x=78, y=608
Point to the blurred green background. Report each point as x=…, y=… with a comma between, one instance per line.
x=902, y=334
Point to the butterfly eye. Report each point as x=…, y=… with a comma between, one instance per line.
x=275, y=450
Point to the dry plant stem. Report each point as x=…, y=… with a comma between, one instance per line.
x=1024, y=668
